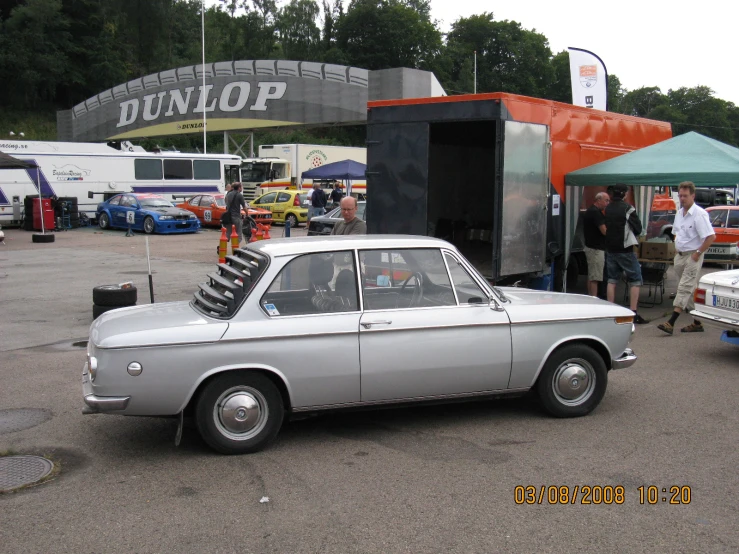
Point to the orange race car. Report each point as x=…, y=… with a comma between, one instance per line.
x=210, y=207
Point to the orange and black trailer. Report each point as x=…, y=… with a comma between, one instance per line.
x=486, y=172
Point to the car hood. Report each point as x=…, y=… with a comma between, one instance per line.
x=722, y=278
x=167, y=211
x=154, y=324
x=528, y=305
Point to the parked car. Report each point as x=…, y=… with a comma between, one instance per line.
x=717, y=300
x=210, y=207
x=324, y=224
x=706, y=197
x=725, y=221
x=285, y=205
x=407, y=319
x=151, y=214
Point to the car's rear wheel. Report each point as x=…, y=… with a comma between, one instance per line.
x=149, y=225
x=292, y=219
x=573, y=381
x=239, y=412
x=104, y=221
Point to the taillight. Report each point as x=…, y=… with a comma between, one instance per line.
x=699, y=296
x=296, y=201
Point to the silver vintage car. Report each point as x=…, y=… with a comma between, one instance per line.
x=407, y=319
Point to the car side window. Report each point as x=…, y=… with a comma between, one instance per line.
x=267, y=198
x=718, y=218
x=128, y=201
x=283, y=197
x=115, y=201
x=468, y=291
x=207, y=201
x=733, y=219
x=408, y=278
x=194, y=201
x=312, y=284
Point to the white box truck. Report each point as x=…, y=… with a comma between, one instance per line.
x=280, y=166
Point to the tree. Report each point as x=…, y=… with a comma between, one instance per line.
x=509, y=58
x=643, y=100
x=560, y=88
x=380, y=34
x=296, y=27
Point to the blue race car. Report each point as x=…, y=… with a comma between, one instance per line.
x=151, y=214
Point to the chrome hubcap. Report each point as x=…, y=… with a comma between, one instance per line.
x=574, y=382
x=241, y=413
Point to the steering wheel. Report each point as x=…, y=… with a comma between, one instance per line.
x=417, y=292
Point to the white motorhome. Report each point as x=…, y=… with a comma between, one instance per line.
x=71, y=169
x=280, y=166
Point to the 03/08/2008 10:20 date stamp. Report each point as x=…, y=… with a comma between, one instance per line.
x=601, y=494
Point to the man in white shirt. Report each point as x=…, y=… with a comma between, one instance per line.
x=693, y=235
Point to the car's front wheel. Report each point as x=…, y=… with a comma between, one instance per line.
x=239, y=412
x=573, y=381
x=149, y=225
x=104, y=221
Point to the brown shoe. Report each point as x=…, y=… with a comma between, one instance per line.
x=666, y=327
x=692, y=328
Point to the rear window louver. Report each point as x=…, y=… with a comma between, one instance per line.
x=229, y=284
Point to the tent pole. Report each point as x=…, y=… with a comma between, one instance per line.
x=40, y=200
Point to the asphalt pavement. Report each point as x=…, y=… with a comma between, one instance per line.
x=427, y=479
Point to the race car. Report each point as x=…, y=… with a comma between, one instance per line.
x=149, y=213
x=210, y=207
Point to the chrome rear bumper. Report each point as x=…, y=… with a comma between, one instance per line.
x=100, y=404
x=625, y=360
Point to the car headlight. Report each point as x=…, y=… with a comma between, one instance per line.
x=165, y=217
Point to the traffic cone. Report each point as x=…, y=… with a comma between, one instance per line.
x=223, y=247
x=260, y=231
x=234, y=240
x=266, y=232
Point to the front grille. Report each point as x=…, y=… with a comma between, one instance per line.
x=182, y=217
x=228, y=287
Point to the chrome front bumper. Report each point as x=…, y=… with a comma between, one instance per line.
x=725, y=323
x=100, y=404
x=625, y=360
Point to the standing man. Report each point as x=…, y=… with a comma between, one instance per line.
x=318, y=200
x=234, y=202
x=337, y=194
x=620, y=258
x=594, y=229
x=351, y=225
x=693, y=235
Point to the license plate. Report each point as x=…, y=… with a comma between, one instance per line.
x=718, y=250
x=723, y=302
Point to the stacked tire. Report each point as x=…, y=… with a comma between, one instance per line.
x=73, y=210
x=110, y=297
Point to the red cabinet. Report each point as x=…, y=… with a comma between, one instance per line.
x=43, y=205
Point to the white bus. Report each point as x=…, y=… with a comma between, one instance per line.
x=71, y=169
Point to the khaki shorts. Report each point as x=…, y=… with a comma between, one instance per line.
x=596, y=260
x=688, y=273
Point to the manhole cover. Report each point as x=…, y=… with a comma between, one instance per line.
x=16, y=471
x=24, y=418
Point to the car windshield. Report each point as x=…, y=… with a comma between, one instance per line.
x=155, y=203
x=360, y=211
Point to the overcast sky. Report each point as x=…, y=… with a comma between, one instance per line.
x=643, y=42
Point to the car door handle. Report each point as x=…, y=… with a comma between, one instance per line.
x=369, y=324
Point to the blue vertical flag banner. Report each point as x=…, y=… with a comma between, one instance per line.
x=589, y=79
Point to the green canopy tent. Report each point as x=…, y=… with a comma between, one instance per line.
x=689, y=157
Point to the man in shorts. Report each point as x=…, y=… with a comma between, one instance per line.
x=619, y=258
x=594, y=229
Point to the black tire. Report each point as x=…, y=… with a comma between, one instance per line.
x=42, y=237
x=239, y=390
x=582, y=371
x=104, y=221
x=293, y=219
x=149, y=225
x=97, y=311
x=114, y=295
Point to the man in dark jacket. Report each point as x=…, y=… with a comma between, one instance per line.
x=620, y=258
x=594, y=230
x=318, y=201
x=234, y=204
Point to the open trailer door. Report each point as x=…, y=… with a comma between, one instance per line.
x=524, y=198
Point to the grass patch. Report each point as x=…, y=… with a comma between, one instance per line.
x=34, y=125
